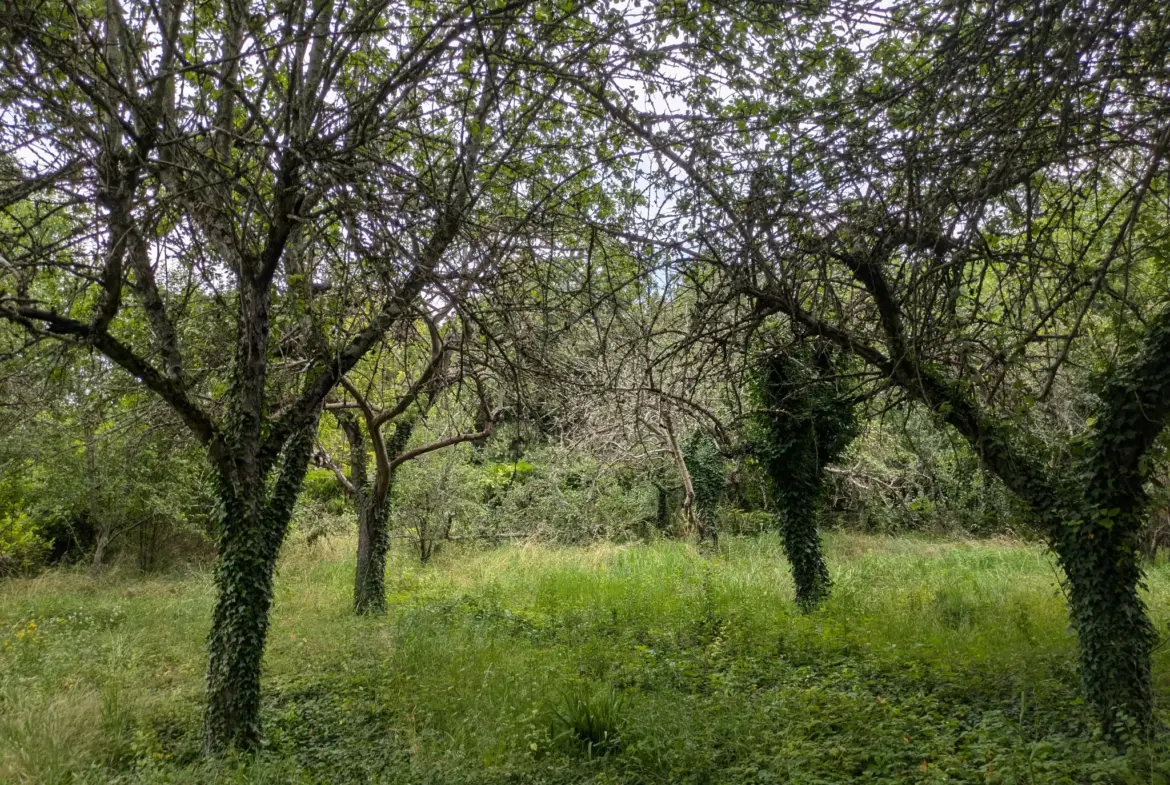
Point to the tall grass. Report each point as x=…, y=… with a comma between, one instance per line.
x=933, y=661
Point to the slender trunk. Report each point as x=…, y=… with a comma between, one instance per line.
x=99, y=551
x=662, y=514
x=369, y=586
x=101, y=531
x=369, y=589
x=688, y=498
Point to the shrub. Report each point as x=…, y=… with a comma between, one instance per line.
x=905, y=473
x=22, y=547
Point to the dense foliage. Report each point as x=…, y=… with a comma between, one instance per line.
x=803, y=421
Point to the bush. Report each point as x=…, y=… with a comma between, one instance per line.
x=22, y=547
x=905, y=473
x=748, y=522
x=320, y=488
x=551, y=494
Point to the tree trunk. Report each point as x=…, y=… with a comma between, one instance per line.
x=802, y=546
x=662, y=513
x=369, y=586
x=708, y=530
x=369, y=590
x=690, y=520
x=101, y=530
x=239, y=628
x=99, y=551
x=251, y=533
x=1115, y=633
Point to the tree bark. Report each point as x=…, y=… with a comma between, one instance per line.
x=690, y=520
x=1091, y=513
x=251, y=533
x=369, y=587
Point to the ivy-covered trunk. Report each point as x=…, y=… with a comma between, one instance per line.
x=708, y=475
x=802, y=546
x=802, y=423
x=1099, y=552
x=251, y=532
x=239, y=627
x=369, y=590
x=1092, y=516
x=1115, y=634
x=371, y=502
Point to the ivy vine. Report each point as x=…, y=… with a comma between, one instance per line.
x=803, y=421
x=708, y=470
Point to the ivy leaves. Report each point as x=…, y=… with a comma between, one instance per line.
x=801, y=424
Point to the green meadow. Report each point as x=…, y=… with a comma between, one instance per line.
x=935, y=661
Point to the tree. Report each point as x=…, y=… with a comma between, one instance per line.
x=371, y=499
x=962, y=198
x=283, y=180
x=707, y=472
x=802, y=423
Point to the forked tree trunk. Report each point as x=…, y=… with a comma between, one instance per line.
x=373, y=508
x=1092, y=515
x=251, y=533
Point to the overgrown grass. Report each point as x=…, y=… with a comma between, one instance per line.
x=933, y=662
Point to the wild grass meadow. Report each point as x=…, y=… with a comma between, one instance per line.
x=934, y=661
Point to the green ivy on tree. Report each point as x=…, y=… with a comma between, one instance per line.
x=708, y=472
x=802, y=422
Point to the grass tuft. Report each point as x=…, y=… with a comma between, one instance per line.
x=587, y=722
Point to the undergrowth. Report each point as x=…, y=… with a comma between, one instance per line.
x=932, y=662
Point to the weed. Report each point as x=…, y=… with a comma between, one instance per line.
x=588, y=722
